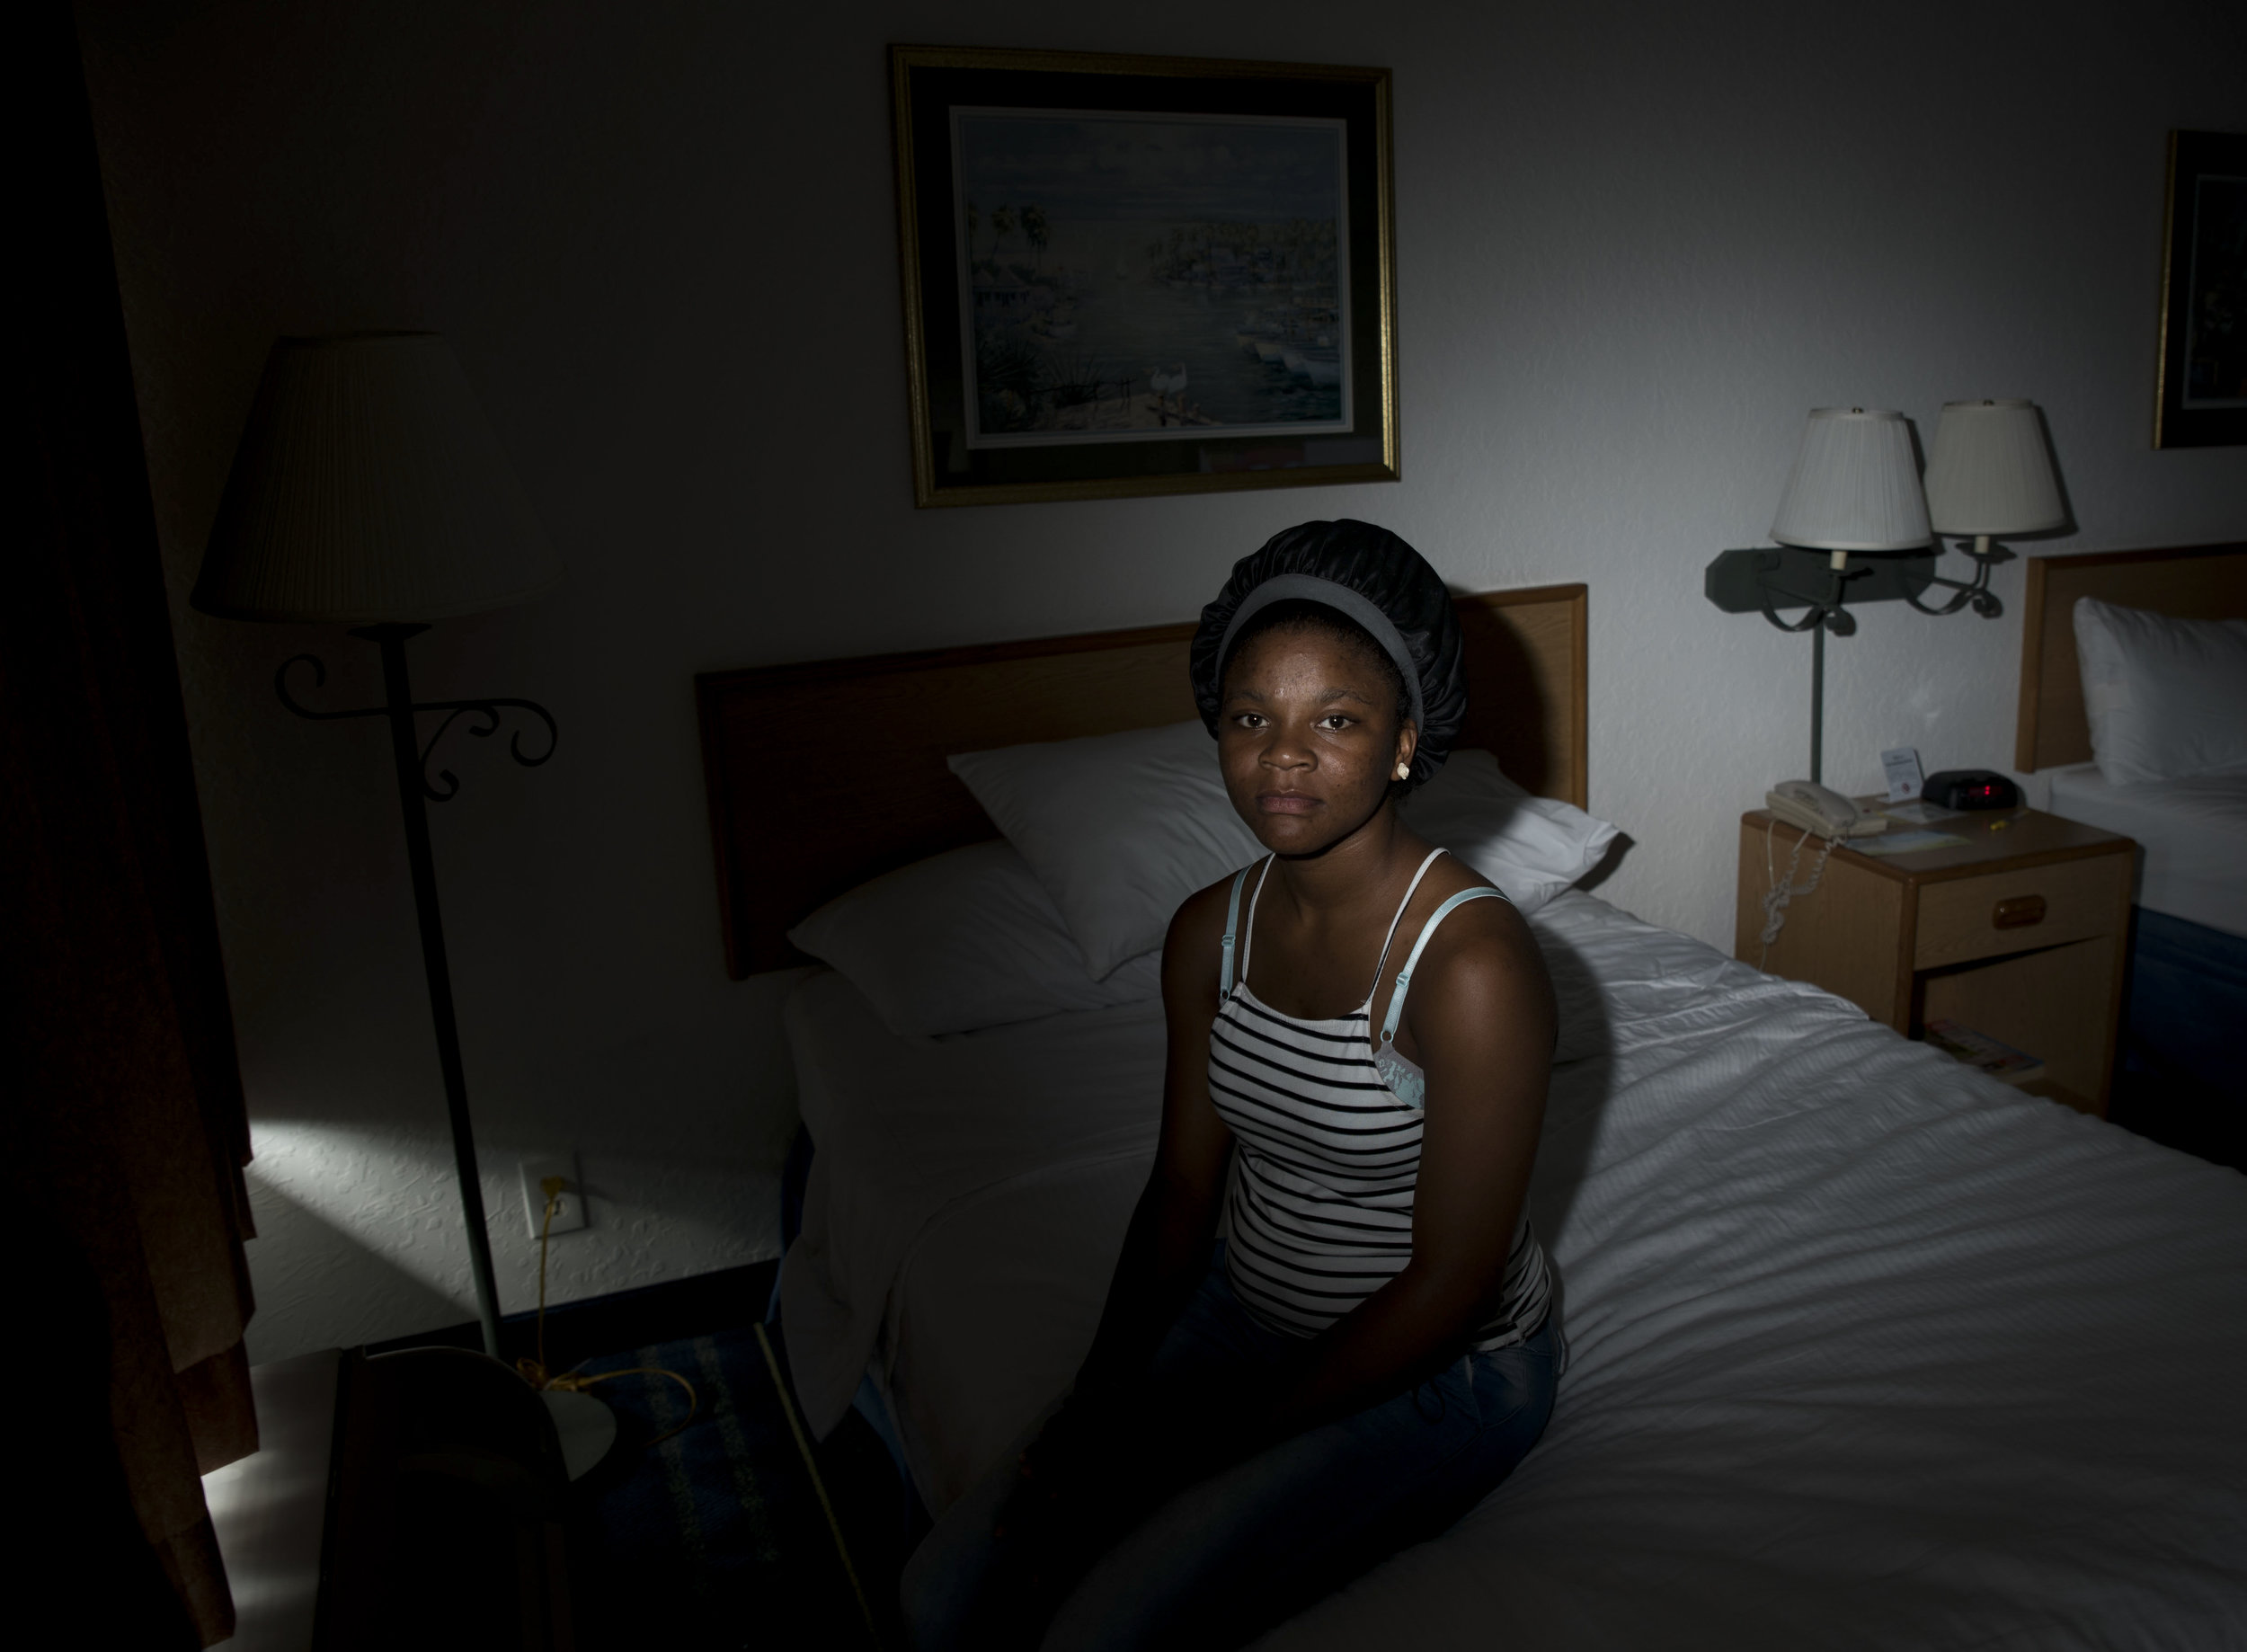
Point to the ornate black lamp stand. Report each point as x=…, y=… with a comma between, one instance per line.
x=416, y=792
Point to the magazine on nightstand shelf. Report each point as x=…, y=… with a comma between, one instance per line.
x=1980, y=1051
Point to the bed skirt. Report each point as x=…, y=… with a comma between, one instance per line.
x=2184, y=1043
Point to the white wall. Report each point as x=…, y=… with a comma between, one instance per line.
x=1635, y=244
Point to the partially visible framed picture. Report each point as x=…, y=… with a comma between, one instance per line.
x=1142, y=275
x=2203, y=388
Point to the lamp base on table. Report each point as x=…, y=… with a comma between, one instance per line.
x=587, y=1427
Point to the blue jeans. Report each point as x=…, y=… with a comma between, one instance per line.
x=1232, y=1555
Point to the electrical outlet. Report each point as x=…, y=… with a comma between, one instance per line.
x=569, y=1216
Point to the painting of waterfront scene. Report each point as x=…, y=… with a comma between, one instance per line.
x=1129, y=276
x=2215, y=295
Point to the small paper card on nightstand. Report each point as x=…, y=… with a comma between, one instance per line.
x=1901, y=765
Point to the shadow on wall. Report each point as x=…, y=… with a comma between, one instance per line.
x=360, y=1237
x=1609, y=863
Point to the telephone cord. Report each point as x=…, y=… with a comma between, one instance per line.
x=1777, y=894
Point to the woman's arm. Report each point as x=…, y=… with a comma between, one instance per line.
x=1166, y=1249
x=1481, y=1019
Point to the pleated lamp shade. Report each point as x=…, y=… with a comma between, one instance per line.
x=1855, y=486
x=368, y=488
x=1991, y=472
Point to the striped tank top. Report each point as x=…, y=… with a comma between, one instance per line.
x=1327, y=1125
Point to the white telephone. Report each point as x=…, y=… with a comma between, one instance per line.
x=1814, y=808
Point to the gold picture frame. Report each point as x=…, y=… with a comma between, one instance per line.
x=1131, y=275
x=2200, y=395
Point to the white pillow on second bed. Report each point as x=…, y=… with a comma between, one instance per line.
x=2165, y=698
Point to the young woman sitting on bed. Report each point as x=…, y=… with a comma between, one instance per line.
x=1360, y=1030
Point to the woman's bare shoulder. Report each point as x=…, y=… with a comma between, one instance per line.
x=1478, y=934
x=1201, y=916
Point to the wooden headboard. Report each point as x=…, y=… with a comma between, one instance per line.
x=823, y=774
x=2197, y=581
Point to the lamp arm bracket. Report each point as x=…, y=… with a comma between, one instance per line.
x=1811, y=616
x=1984, y=603
x=319, y=680
x=1987, y=559
x=1966, y=594
x=1975, y=590
x=1826, y=610
x=447, y=784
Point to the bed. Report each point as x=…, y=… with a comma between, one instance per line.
x=2184, y=1009
x=2192, y=836
x=1866, y=1349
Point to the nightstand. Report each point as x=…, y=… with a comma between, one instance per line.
x=2021, y=933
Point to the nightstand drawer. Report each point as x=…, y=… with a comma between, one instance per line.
x=1964, y=919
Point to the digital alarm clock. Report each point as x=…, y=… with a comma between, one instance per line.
x=1971, y=788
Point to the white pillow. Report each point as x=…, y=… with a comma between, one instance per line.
x=964, y=940
x=1532, y=848
x=2165, y=698
x=1119, y=827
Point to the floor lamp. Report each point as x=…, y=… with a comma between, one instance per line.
x=370, y=491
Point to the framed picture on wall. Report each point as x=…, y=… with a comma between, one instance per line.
x=2203, y=385
x=1142, y=275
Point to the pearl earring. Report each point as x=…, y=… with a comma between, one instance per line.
x=1404, y=771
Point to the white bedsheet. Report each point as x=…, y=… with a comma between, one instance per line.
x=914, y=1133
x=2191, y=834
x=1867, y=1350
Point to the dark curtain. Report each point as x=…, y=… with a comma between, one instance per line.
x=126, y=1135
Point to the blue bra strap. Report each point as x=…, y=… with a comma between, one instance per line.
x=1232, y=923
x=1404, y=976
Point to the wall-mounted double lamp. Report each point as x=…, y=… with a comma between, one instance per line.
x=1855, y=493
